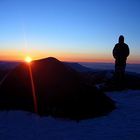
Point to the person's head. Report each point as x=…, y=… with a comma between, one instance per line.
x=121, y=39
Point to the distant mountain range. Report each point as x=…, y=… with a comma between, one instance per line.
x=7, y=65
x=110, y=66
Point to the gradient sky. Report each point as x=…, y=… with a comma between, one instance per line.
x=70, y=30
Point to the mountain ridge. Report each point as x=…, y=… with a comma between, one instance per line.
x=60, y=91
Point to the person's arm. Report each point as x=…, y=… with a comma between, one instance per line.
x=128, y=51
x=114, y=52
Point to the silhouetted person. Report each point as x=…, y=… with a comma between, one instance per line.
x=120, y=53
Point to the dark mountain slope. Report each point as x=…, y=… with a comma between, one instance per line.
x=60, y=91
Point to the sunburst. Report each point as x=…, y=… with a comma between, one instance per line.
x=28, y=59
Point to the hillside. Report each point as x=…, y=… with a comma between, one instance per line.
x=60, y=91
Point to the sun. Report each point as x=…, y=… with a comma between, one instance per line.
x=28, y=59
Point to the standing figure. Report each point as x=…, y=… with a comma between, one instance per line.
x=120, y=53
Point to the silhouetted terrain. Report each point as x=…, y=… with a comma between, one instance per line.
x=60, y=91
x=97, y=74
x=6, y=67
x=110, y=66
x=103, y=78
x=78, y=67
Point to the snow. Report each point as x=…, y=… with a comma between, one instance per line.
x=121, y=124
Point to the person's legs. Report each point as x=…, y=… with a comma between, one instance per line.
x=120, y=74
x=120, y=70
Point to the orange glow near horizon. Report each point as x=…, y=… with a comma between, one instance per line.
x=17, y=55
x=72, y=59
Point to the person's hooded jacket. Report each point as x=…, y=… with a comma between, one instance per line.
x=121, y=50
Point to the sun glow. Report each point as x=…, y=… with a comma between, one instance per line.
x=28, y=59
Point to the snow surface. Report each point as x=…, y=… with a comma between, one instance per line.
x=121, y=124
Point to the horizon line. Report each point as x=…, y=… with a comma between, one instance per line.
x=68, y=61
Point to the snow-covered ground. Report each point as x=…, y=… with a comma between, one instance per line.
x=121, y=124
